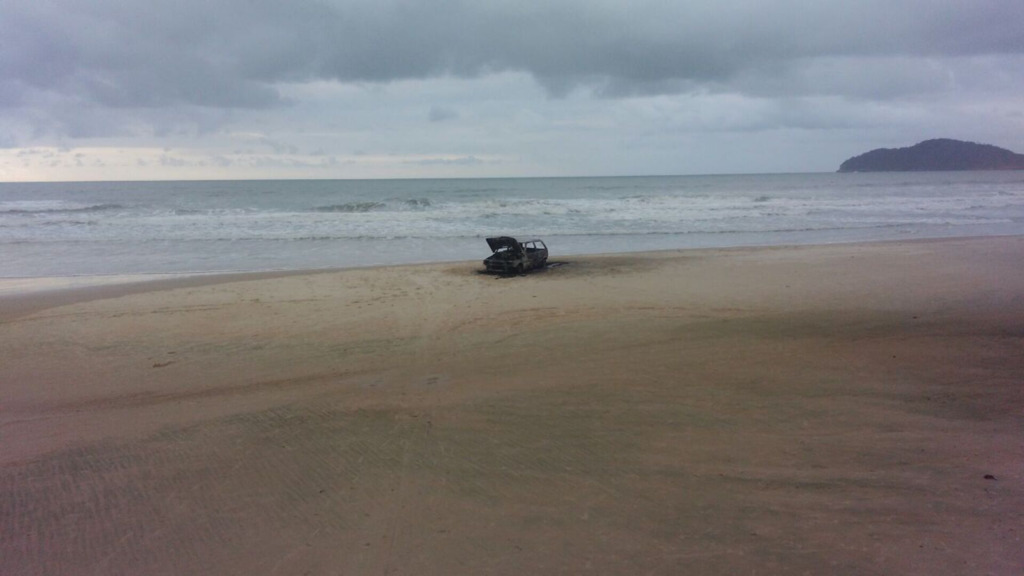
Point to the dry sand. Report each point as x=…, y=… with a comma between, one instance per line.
x=809, y=410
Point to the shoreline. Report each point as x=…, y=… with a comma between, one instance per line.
x=848, y=408
x=60, y=290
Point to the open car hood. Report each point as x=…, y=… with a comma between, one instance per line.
x=499, y=242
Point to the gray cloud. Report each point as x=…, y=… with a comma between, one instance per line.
x=442, y=113
x=459, y=161
x=231, y=53
x=554, y=84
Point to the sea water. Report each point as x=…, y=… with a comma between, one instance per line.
x=120, y=228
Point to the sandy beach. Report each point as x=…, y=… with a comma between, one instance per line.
x=845, y=409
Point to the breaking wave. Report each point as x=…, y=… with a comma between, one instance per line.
x=127, y=227
x=45, y=207
x=351, y=207
x=375, y=206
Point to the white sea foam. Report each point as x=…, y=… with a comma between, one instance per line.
x=128, y=228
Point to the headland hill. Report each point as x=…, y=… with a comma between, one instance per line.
x=935, y=155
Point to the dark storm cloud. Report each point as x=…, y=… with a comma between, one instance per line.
x=119, y=54
x=231, y=53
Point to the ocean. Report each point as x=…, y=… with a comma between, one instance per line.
x=129, y=228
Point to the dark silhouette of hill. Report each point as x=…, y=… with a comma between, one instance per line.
x=938, y=154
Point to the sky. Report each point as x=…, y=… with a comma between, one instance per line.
x=266, y=89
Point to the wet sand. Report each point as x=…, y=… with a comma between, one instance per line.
x=853, y=409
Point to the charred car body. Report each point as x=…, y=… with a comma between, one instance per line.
x=513, y=257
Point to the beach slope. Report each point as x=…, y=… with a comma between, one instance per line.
x=853, y=409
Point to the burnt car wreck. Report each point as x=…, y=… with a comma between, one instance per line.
x=513, y=257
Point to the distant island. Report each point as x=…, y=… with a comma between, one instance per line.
x=938, y=154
